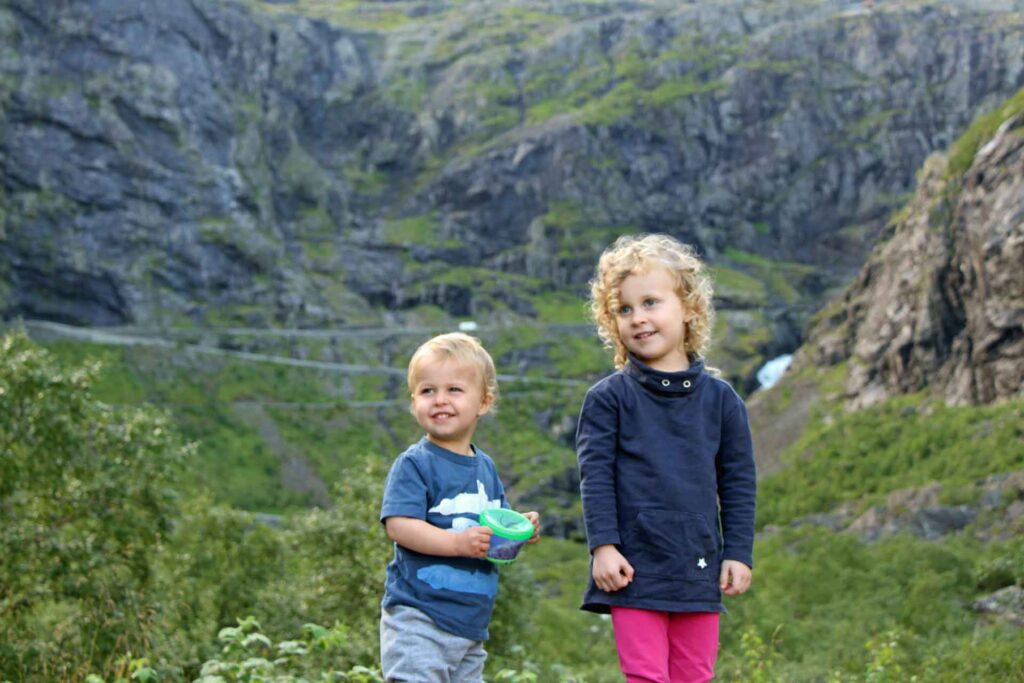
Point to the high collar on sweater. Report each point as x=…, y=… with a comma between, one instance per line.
x=671, y=383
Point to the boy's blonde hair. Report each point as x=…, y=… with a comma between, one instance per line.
x=461, y=348
x=636, y=255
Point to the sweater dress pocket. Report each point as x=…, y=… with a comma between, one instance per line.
x=675, y=545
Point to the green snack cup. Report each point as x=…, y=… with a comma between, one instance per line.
x=511, y=530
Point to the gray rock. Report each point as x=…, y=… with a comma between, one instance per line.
x=938, y=305
x=1006, y=604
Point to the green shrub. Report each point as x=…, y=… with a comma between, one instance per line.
x=87, y=498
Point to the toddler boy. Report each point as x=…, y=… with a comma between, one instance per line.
x=440, y=589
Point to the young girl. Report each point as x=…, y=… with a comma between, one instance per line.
x=666, y=466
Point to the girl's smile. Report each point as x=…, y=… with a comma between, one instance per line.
x=651, y=320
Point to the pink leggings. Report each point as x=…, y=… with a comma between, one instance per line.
x=666, y=647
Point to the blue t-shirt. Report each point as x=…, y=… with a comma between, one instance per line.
x=447, y=490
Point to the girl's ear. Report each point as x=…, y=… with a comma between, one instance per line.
x=688, y=314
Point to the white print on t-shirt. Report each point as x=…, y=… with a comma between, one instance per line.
x=445, y=577
x=463, y=523
x=466, y=502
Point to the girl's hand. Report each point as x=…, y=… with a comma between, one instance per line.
x=735, y=577
x=611, y=571
x=473, y=542
x=535, y=520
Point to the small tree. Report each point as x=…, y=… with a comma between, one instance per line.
x=86, y=499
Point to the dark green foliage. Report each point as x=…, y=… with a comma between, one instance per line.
x=1001, y=566
x=563, y=640
x=830, y=605
x=87, y=496
x=214, y=567
x=146, y=589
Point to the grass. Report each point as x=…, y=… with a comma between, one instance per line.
x=912, y=593
x=962, y=152
x=413, y=230
x=234, y=461
x=737, y=286
x=560, y=307
x=349, y=13
x=782, y=278
x=305, y=413
x=907, y=441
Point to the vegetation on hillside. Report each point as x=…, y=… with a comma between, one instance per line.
x=146, y=571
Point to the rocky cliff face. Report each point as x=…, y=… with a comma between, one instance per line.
x=940, y=304
x=211, y=162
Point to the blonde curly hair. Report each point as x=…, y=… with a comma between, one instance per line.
x=636, y=255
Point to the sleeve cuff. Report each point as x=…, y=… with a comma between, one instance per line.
x=746, y=558
x=603, y=538
x=415, y=513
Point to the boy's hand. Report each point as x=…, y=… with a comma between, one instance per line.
x=473, y=542
x=534, y=518
x=611, y=571
x=735, y=577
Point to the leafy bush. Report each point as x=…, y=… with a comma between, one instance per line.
x=87, y=498
x=216, y=565
x=833, y=606
x=249, y=656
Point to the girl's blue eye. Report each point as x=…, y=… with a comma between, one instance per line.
x=625, y=310
x=650, y=302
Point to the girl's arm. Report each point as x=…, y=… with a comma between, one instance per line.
x=737, y=483
x=734, y=578
x=612, y=570
x=596, y=440
x=423, y=537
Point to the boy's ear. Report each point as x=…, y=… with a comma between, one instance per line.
x=485, y=404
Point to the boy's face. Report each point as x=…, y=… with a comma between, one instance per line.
x=447, y=400
x=651, y=320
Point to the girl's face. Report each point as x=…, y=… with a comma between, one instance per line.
x=651, y=320
x=447, y=400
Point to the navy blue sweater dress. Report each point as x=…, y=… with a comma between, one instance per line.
x=658, y=452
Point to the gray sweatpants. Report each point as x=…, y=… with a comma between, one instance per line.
x=414, y=650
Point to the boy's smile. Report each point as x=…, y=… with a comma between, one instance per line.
x=651, y=320
x=447, y=400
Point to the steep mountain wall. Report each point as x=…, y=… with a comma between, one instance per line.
x=214, y=162
x=940, y=305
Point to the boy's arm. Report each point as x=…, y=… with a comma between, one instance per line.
x=532, y=515
x=422, y=537
x=737, y=484
x=534, y=518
